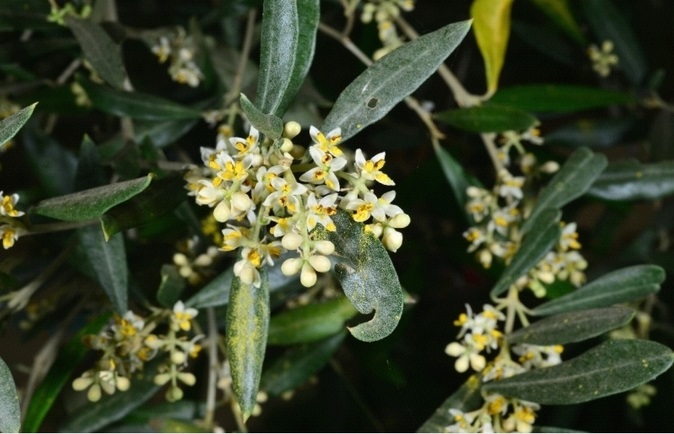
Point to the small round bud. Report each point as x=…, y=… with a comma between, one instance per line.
x=287, y=145
x=122, y=384
x=222, y=212
x=94, y=393
x=550, y=167
x=178, y=357
x=308, y=276
x=262, y=396
x=291, y=129
x=392, y=239
x=399, y=221
x=246, y=274
x=241, y=201
x=376, y=229
x=185, y=271
x=292, y=241
x=174, y=394
x=161, y=379
x=180, y=259
x=108, y=386
x=298, y=152
x=320, y=263
x=324, y=247
x=203, y=260
x=187, y=378
x=291, y=266
x=82, y=383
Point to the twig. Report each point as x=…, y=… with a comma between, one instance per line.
x=234, y=91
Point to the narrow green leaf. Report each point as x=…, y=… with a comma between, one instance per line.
x=49, y=389
x=10, y=413
x=612, y=367
x=91, y=203
x=609, y=24
x=573, y=326
x=559, y=98
x=573, y=179
x=536, y=244
x=459, y=180
x=367, y=276
x=310, y=323
x=111, y=408
x=620, y=286
x=51, y=163
x=308, y=14
x=161, y=197
x=631, y=180
x=171, y=286
x=269, y=125
x=298, y=364
x=12, y=124
x=100, y=50
x=560, y=14
x=488, y=119
x=466, y=398
x=492, y=31
x=593, y=133
x=278, y=52
x=390, y=79
x=108, y=261
x=136, y=105
x=247, y=326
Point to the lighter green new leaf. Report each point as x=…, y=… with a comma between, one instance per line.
x=10, y=414
x=12, y=124
x=246, y=338
x=269, y=125
x=572, y=181
x=367, y=276
x=492, y=31
x=631, y=180
x=390, y=79
x=278, y=52
x=620, y=286
x=612, y=367
x=91, y=203
x=536, y=244
x=573, y=326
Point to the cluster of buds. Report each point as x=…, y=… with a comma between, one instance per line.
x=384, y=13
x=499, y=213
x=180, y=51
x=193, y=266
x=604, y=60
x=10, y=226
x=129, y=343
x=480, y=335
x=271, y=195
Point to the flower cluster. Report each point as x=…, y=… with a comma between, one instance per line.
x=180, y=51
x=271, y=195
x=129, y=343
x=499, y=213
x=384, y=13
x=10, y=227
x=603, y=59
x=193, y=266
x=480, y=334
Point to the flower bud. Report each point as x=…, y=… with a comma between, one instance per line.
x=174, y=394
x=291, y=241
x=320, y=263
x=222, y=212
x=241, y=202
x=203, y=260
x=291, y=129
x=298, y=152
x=308, y=276
x=161, y=379
x=178, y=357
x=94, y=394
x=287, y=145
x=324, y=247
x=122, y=383
x=392, y=239
x=179, y=259
x=187, y=378
x=291, y=266
x=399, y=221
x=82, y=383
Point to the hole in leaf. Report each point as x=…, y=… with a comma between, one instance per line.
x=372, y=103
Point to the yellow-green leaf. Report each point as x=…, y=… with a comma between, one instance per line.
x=560, y=14
x=491, y=24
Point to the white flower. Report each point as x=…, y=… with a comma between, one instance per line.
x=371, y=169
